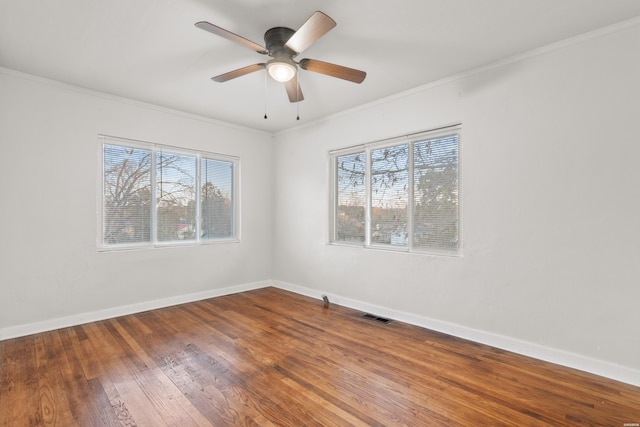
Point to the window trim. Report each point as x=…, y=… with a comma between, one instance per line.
x=155, y=149
x=366, y=148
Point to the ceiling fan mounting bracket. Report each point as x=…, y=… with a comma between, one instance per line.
x=275, y=39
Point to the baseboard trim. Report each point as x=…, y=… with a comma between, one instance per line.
x=109, y=313
x=559, y=357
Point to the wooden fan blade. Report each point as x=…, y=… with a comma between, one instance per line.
x=293, y=90
x=238, y=73
x=333, y=70
x=221, y=32
x=315, y=27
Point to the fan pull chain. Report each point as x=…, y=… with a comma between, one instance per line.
x=265, y=94
x=298, y=95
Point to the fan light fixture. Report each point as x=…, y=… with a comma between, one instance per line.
x=281, y=70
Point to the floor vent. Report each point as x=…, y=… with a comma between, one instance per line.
x=376, y=318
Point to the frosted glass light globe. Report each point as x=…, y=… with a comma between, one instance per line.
x=281, y=71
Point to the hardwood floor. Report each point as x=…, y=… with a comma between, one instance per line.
x=270, y=357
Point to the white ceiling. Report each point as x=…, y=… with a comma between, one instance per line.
x=150, y=50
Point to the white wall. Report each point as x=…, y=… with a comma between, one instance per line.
x=551, y=146
x=50, y=268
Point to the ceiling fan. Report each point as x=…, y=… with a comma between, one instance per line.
x=283, y=45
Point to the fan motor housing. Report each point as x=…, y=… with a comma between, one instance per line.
x=275, y=38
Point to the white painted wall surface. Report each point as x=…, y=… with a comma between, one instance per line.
x=551, y=213
x=50, y=267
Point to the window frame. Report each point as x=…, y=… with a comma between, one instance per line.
x=367, y=148
x=156, y=149
x=333, y=206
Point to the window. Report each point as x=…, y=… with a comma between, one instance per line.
x=155, y=195
x=389, y=195
x=399, y=194
x=351, y=197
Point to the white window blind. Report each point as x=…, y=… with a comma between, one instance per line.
x=351, y=197
x=175, y=196
x=217, y=217
x=389, y=195
x=157, y=195
x=126, y=195
x=402, y=194
x=435, y=204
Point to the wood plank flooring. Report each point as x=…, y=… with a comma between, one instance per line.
x=273, y=358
